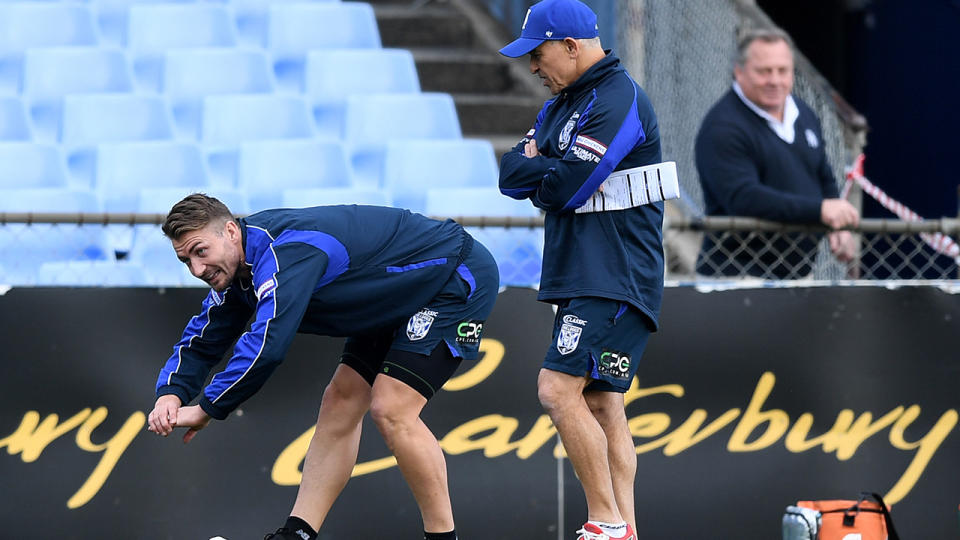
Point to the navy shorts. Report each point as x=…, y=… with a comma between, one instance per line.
x=601, y=338
x=429, y=347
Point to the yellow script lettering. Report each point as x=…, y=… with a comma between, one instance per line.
x=776, y=419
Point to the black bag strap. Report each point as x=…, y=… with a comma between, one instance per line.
x=891, y=531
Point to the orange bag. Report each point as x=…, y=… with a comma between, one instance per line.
x=854, y=520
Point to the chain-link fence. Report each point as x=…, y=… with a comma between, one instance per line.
x=130, y=250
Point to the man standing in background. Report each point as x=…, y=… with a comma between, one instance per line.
x=760, y=153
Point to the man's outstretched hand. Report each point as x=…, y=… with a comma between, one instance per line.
x=168, y=414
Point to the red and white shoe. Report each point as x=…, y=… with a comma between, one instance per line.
x=592, y=532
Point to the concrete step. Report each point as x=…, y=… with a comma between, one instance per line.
x=462, y=71
x=503, y=113
x=430, y=26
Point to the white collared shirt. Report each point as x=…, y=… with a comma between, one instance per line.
x=784, y=129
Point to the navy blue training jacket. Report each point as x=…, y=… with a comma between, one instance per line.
x=329, y=270
x=601, y=123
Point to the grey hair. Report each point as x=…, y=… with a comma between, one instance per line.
x=590, y=43
x=765, y=34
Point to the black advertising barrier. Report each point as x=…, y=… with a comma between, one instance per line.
x=748, y=401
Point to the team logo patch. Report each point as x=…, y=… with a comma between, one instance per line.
x=468, y=332
x=567, y=130
x=591, y=144
x=570, y=332
x=812, y=140
x=266, y=288
x=614, y=364
x=420, y=323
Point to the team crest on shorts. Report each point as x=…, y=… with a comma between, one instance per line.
x=420, y=323
x=567, y=131
x=569, y=338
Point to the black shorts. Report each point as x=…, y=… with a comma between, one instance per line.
x=426, y=350
x=372, y=355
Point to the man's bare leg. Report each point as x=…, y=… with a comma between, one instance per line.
x=333, y=449
x=396, y=411
x=561, y=396
x=608, y=409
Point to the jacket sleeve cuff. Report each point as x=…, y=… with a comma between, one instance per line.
x=213, y=410
x=175, y=390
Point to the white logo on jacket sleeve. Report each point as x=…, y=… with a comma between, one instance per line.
x=266, y=288
x=585, y=155
x=419, y=324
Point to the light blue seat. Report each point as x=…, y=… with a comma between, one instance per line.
x=106, y=273
x=192, y=74
x=123, y=169
x=49, y=74
x=267, y=167
x=332, y=75
x=475, y=202
x=156, y=28
x=153, y=200
x=31, y=165
x=411, y=167
x=518, y=250
x=251, y=17
x=306, y=197
x=230, y=120
x=374, y=119
x=112, y=18
x=91, y=119
x=39, y=24
x=25, y=248
x=295, y=29
x=14, y=125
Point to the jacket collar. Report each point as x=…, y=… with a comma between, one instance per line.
x=607, y=65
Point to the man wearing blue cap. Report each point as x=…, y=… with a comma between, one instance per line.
x=603, y=246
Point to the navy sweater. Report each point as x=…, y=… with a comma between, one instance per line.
x=329, y=270
x=602, y=122
x=747, y=170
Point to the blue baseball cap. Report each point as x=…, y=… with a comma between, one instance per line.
x=553, y=20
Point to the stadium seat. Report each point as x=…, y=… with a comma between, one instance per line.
x=232, y=119
x=31, y=165
x=156, y=28
x=268, y=167
x=123, y=169
x=306, y=197
x=332, y=75
x=92, y=273
x=374, y=119
x=92, y=119
x=251, y=18
x=112, y=18
x=160, y=200
x=24, y=25
x=411, y=167
x=295, y=29
x=26, y=248
x=518, y=250
x=49, y=74
x=476, y=202
x=14, y=125
x=191, y=74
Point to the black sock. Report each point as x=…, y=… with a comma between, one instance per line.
x=296, y=524
x=452, y=535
